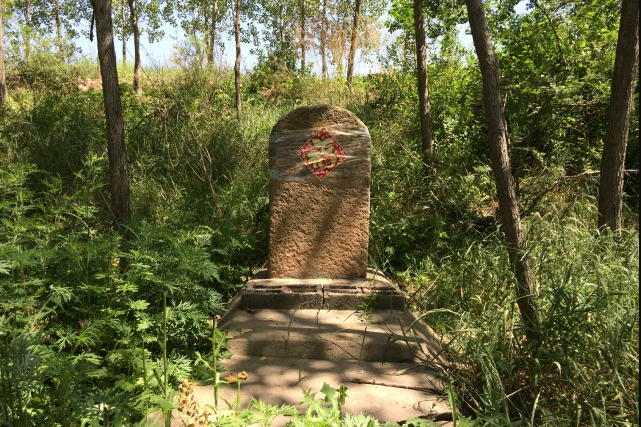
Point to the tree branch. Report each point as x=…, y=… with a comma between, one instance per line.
x=565, y=180
x=556, y=35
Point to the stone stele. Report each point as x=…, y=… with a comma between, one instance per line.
x=319, y=193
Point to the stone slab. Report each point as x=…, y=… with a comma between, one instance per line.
x=373, y=292
x=390, y=392
x=332, y=334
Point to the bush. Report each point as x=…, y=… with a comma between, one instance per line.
x=48, y=73
x=84, y=311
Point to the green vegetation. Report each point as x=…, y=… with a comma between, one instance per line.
x=98, y=328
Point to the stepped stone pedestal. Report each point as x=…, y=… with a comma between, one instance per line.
x=373, y=292
x=356, y=335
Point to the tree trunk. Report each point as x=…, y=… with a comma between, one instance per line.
x=423, y=83
x=3, y=81
x=281, y=28
x=56, y=12
x=124, y=33
x=237, y=63
x=498, y=141
x=406, y=50
x=303, y=41
x=133, y=15
x=353, y=43
x=212, y=34
x=323, y=40
x=27, y=30
x=119, y=181
x=206, y=27
x=616, y=134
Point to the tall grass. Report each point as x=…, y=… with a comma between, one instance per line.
x=584, y=371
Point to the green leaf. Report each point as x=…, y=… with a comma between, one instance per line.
x=139, y=304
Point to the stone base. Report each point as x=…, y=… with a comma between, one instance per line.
x=374, y=336
x=373, y=292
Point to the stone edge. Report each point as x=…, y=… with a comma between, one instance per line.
x=374, y=292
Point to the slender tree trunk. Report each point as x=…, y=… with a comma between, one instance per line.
x=123, y=12
x=56, y=11
x=323, y=40
x=498, y=141
x=27, y=29
x=406, y=49
x=118, y=176
x=303, y=31
x=281, y=35
x=212, y=34
x=133, y=15
x=353, y=43
x=423, y=83
x=3, y=81
x=237, y=63
x=281, y=25
x=616, y=134
x=206, y=28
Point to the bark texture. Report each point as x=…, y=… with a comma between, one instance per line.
x=239, y=101
x=498, y=141
x=353, y=43
x=616, y=134
x=123, y=11
x=212, y=34
x=425, y=113
x=303, y=38
x=323, y=40
x=133, y=15
x=118, y=176
x=56, y=15
x=3, y=80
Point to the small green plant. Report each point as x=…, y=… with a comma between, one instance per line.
x=323, y=411
x=218, y=339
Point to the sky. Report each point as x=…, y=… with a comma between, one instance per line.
x=159, y=54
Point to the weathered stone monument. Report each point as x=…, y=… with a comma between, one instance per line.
x=319, y=194
x=319, y=167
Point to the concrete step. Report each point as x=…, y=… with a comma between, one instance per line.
x=389, y=392
x=383, y=336
x=374, y=292
x=381, y=356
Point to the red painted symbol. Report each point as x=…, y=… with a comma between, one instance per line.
x=322, y=154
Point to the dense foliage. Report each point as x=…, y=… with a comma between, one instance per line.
x=99, y=327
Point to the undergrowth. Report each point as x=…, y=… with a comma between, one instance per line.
x=97, y=330
x=584, y=370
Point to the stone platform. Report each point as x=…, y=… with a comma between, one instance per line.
x=373, y=292
x=294, y=335
x=378, y=335
x=389, y=392
x=385, y=358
